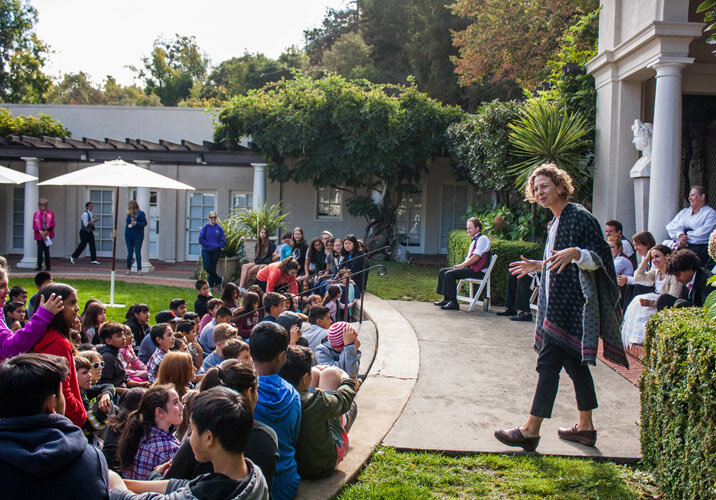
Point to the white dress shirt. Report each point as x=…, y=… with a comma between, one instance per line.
x=697, y=227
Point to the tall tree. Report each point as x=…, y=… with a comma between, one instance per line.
x=512, y=39
x=335, y=24
x=22, y=55
x=356, y=136
x=173, y=68
x=76, y=88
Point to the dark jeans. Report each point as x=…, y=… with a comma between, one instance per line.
x=702, y=250
x=448, y=278
x=551, y=359
x=43, y=251
x=518, y=293
x=209, y=259
x=666, y=301
x=86, y=238
x=134, y=247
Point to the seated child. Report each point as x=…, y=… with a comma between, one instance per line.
x=95, y=315
x=311, y=302
x=14, y=315
x=341, y=349
x=206, y=340
x=213, y=305
x=221, y=422
x=246, y=315
x=220, y=335
x=285, y=249
x=137, y=319
x=178, y=307
x=202, y=298
x=188, y=330
x=18, y=294
x=128, y=402
x=279, y=405
x=292, y=323
x=322, y=440
x=42, y=453
x=114, y=373
x=273, y=305
x=320, y=320
x=136, y=370
x=147, y=347
x=163, y=338
x=146, y=440
x=332, y=300
x=238, y=349
x=97, y=399
x=42, y=279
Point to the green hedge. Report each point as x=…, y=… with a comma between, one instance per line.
x=678, y=402
x=507, y=251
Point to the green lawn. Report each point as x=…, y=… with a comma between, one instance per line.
x=155, y=296
x=403, y=476
x=404, y=282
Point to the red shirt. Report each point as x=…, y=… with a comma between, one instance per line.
x=273, y=277
x=54, y=343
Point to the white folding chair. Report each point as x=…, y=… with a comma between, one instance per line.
x=484, y=283
x=535, y=291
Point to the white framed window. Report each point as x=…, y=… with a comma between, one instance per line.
x=18, y=219
x=242, y=200
x=409, y=220
x=329, y=203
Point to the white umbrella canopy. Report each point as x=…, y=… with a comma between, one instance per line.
x=117, y=174
x=10, y=176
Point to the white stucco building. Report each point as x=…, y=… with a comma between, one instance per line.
x=653, y=64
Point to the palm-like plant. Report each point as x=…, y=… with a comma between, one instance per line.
x=248, y=223
x=545, y=133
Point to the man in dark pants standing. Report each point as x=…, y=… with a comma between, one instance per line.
x=86, y=235
x=477, y=258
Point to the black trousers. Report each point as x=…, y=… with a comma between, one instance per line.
x=43, y=251
x=86, y=238
x=702, y=250
x=518, y=293
x=448, y=278
x=666, y=301
x=549, y=365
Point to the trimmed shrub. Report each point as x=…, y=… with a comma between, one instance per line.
x=507, y=251
x=678, y=402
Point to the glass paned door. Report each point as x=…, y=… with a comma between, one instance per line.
x=200, y=204
x=103, y=201
x=409, y=222
x=18, y=219
x=452, y=211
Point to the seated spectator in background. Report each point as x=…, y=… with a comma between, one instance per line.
x=341, y=349
x=146, y=441
x=128, y=402
x=137, y=318
x=691, y=227
x=279, y=405
x=246, y=316
x=230, y=296
x=614, y=228
x=213, y=305
x=202, y=298
x=478, y=257
x=273, y=306
x=95, y=315
x=221, y=423
x=188, y=330
x=42, y=454
x=320, y=320
x=622, y=265
x=332, y=301
x=97, y=399
x=285, y=249
x=14, y=315
x=178, y=307
x=113, y=339
x=42, y=279
x=206, y=339
x=136, y=370
x=685, y=266
x=220, y=335
x=18, y=294
x=176, y=370
x=163, y=338
x=239, y=350
x=262, y=445
x=322, y=440
x=263, y=256
x=311, y=302
x=147, y=347
x=517, y=298
x=292, y=322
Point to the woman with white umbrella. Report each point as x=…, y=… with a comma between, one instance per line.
x=134, y=235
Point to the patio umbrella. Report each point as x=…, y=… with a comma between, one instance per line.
x=10, y=176
x=117, y=174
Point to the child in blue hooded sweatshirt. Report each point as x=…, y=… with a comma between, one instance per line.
x=279, y=404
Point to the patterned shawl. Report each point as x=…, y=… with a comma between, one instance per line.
x=583, y=305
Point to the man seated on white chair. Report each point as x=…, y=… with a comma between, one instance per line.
x=478, y=258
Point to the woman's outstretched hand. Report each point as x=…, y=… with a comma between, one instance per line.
x=562, y=258
x=524, y=266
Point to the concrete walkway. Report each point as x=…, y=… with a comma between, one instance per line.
x=477, y=373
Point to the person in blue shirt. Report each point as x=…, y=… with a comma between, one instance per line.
x=212, y=239
x=134, y=235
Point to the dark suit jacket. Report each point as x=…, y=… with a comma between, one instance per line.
x=701, y=290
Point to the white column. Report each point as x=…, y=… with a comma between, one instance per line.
x=29, y=259
x=143, y=200
x=259, y=194
x=666, y=149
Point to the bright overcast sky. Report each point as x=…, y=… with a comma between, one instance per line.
x=101, y=37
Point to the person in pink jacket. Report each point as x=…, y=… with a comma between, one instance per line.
x=12, y=344
x=43, y=225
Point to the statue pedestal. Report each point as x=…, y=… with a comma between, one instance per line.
x=641, y=175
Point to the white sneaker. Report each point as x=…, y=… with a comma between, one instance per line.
x=72, y=259
x=95, y=262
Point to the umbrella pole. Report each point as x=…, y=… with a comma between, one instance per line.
x=114, y=251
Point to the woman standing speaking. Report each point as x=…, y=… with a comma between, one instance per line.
x=134, y=235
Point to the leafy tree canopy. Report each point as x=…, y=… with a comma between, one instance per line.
x=335, y=24
x=512, y=39
x=349, y=134
x=22, y=55
x=33, y=126
x=76, y=88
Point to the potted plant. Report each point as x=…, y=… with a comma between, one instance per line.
x=248, y=222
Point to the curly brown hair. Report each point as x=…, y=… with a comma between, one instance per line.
x=560, y=177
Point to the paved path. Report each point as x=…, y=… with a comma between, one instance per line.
x=477, y=373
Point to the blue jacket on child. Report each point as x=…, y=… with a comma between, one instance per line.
x=279, y=407
x=347, y=360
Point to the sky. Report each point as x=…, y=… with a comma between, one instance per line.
x=102, y=37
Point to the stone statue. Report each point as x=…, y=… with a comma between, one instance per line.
x=641, y=172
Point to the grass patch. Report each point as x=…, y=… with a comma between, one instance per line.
x=404, y=282
x=157, y=297
x=403, y=476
